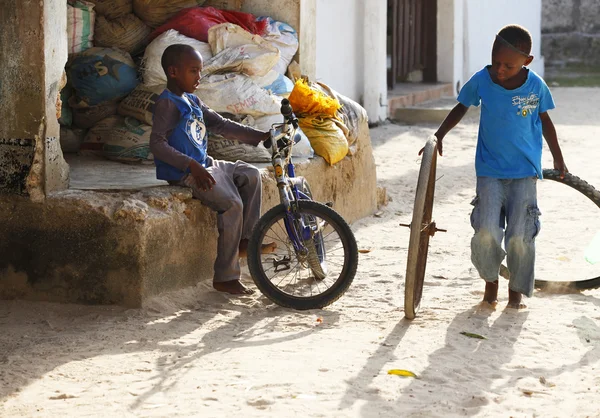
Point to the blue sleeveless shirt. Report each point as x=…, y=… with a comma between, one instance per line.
x=189, y=136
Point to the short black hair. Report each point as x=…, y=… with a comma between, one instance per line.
x=517, y=36
x=173, y=55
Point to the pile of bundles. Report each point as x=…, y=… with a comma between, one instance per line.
x=115, y=76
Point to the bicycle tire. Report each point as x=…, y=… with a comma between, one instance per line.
x=314, y=260
x=591, y=193
x=273, y=292
x=419, y=238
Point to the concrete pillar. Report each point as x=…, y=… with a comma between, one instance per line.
x=33, y=53
x=450, y=43
x=375, y=59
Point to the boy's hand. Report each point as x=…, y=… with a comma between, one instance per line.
x=561, y=167
x=204, y=180
x=438, y=142
x=262, y=138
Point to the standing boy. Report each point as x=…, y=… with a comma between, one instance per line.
x=514, y=104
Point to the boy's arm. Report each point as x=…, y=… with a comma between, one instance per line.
x=219, y=125
x=166, y=118
x=549, y=132
x=455, y=115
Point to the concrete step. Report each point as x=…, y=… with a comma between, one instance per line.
x=432, y=111
x=412, y=94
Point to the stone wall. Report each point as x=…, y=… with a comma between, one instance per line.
x=571, y=32
x=33, y=53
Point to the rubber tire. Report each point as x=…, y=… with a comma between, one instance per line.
x=591, y=193
x=314, y=302
x=419, y=241
x=313, y=257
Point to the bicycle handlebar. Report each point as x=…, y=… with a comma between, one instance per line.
x=288, y=118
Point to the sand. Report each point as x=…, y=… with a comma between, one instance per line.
x=200, y=353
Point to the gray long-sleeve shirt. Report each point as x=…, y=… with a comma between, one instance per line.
x=166, y=118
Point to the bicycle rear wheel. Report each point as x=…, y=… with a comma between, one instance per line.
x=421, y=228
x=286, y=276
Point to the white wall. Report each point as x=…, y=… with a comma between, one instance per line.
x=486, y=18
x=340, y=50
x=466, y=32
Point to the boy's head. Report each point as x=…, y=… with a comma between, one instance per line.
x=511, y=51
x=182, y=65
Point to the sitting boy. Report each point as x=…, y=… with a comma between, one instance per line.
x=179, y=141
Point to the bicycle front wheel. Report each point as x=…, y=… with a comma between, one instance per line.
x=287, y=276
x=420, y=231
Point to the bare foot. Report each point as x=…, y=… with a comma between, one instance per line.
x=514, y=300
x=491, y=292
x=234, y=287
x=265, y=248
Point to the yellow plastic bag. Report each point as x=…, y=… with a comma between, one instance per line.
x=327, y=136
x=307, y=100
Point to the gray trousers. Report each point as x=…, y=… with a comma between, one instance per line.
x=236, y=197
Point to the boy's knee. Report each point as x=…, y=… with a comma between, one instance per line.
x=484, y=237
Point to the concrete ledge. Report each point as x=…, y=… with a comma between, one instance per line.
x=123, y=247
x=412, y=94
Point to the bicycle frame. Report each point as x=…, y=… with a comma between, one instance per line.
x=289, y=194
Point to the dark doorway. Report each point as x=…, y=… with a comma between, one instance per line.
x=412, y=31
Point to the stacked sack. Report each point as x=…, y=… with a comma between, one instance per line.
x=103, y=113
x=108, y=111
x=242, y=78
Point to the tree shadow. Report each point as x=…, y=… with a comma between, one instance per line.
x=359, y=386
x=61, y=334
x=462, y=382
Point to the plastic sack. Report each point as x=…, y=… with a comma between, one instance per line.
x=302, y=147
x=152, y=70
x=102, y=74
x=352, y=114
x=275, y=83
x=80, y=26
x=195, y=22
x=327, y=137
x=140, y=103
x=283, y=37
x=86, y=117
x=66, y=114
x=237, y=94
x=311, y=101
x=127, y=32
x=237, y=50
x=156, y=12
x=222, y=148
x=71, y=139
x=112, y=9
x=118, y=138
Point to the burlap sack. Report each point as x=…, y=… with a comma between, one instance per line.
x=112, y=9
x=127, y=32
x=156, y=12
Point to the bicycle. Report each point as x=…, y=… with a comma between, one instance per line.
x=316, y=255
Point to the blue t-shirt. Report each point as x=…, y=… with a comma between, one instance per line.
x=509, y=144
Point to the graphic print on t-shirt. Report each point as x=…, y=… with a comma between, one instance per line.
x=526, y=104
x=196, y=130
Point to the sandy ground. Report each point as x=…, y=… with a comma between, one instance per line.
x=200, y=353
